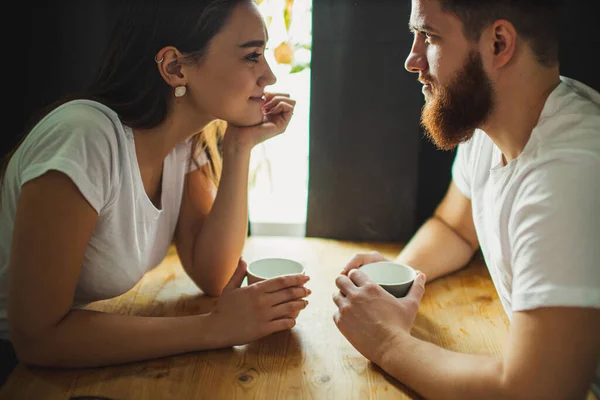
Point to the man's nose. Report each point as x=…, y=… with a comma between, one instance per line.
x=416, y=60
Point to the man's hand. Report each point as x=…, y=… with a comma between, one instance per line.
x=371, y=318
x=361, y=259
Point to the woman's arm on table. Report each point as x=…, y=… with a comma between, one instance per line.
x=53, y=225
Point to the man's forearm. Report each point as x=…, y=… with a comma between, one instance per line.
x=436, y=250
x=89, y=339
x=437, y=373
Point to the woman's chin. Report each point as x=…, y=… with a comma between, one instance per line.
x=248, y=120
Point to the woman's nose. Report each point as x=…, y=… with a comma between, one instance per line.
x=268, y=77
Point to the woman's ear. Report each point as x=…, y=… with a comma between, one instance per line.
x=168, y=61
x=504, y=42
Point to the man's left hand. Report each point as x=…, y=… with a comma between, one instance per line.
x=371, y=318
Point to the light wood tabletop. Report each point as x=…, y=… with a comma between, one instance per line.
x=459, y=312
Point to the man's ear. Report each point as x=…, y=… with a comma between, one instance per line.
x=169, y=66
x=503, y=42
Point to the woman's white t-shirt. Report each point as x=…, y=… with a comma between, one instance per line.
x=538, y=217
x=87, y=141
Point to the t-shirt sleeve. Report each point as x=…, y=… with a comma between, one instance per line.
x=553, y=231
x=460, y=169
x=82, y=145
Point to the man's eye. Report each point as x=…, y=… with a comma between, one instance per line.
x=253, y=57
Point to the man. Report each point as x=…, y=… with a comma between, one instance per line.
x=525, y=189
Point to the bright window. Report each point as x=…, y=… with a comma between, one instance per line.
x=278, y=186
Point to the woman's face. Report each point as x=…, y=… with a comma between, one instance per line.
x=229, y=82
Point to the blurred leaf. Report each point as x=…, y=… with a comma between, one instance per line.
x=269, y=174
x=252, y=177
x=299, y=68
x=284, y=53
x=263, y=163
x=287, y=13
x=259, y=1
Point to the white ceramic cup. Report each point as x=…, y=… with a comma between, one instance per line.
x=268, y=268
x=394, y=277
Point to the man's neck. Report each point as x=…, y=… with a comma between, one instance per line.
x=519, y=104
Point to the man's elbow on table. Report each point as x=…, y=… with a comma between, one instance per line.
x=489, y=379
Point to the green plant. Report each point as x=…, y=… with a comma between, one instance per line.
x=287, y=48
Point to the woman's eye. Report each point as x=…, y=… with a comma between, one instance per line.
x=253, y=57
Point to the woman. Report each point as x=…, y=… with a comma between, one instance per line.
x=103, y=184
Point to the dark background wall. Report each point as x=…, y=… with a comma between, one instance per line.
x=364, y=128
x=373, y=176
x=64, y=43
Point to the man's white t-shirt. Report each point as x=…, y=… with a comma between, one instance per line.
x=86, y=141
x=538, y=217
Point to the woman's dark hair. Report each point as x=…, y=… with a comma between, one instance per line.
x=128, y=81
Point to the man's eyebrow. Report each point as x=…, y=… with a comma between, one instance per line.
x=252, y=43
x=422, y=28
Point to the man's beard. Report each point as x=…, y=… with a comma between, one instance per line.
x=456, y=110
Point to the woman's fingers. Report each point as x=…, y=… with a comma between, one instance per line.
x=285, y=295
x=270, y=96
x=288, y=309
x=280, y=116
x=277, y=113
x=281, y=282
x=281, y=107
x=271, y=104
x=282, y=324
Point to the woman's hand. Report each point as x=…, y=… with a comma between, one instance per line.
x=243, y=315
x=278, y=110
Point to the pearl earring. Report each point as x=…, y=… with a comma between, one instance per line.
x=180, y=91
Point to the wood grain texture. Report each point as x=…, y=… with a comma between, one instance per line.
x=460, y=312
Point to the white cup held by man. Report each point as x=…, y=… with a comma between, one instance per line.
x=395, y=278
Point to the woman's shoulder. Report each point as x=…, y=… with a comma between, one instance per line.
x=79, y=120
x=81, y=138
x=81, y=113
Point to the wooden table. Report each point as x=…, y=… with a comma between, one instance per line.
x=460, y=312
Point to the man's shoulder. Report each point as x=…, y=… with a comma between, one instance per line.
x=572, y=98
x=584, y=92
x=571, y=120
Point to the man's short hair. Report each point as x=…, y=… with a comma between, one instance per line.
x=535, y=20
